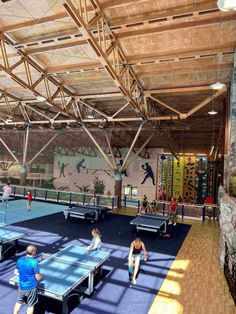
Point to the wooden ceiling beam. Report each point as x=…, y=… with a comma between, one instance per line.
x=196, y=68
x=118, y=3
x=206, y=101
x=87, y=80
x=180, y=90
x=143, y=60
x=123, y=26
x=171, y=25
x=50, y=84
x=59, y=16
x=92, y=65
x=32, y=23
x=113, y=61
x=194, y=9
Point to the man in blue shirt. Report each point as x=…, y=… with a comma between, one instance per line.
x=29, y=276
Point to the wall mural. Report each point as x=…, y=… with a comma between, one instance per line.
x=78, y=173
x=189, y=179
x=124, y=171
x=62, y=167
x=178, y=173
x=80, y=165
x=148, y=172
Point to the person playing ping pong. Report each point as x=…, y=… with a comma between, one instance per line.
x=27, y=268
x=134, y=258
x=96, y=241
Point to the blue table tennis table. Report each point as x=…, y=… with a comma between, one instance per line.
x=9, y=237
x=65, y=272
x=151, y=222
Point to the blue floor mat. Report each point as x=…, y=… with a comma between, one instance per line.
x=114, y=294
x=17, y=210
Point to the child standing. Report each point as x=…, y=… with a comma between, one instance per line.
x=173, y=211
x=29, y=200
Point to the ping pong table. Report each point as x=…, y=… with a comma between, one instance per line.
x=91, y=212
x=9, y=237
x=67, y=271
x=151, y=222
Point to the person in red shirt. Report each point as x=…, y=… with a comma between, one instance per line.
x=209, y=206
x=29, y=200
x=173, y=211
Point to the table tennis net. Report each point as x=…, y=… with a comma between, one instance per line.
x=158, y=217
x=65, y=261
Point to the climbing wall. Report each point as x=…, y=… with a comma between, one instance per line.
x=189, y=179
x=201, y=180
x=166, y=166
x=170, y=177
x=178, y=177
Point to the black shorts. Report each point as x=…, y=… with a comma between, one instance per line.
x=30, y=297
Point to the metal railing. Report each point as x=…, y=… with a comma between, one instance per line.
x=64, y=197
x=30, y=175
x=184, y=210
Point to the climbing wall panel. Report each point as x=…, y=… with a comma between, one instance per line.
x=189, y=179
x=178, y=173
x=166, y=177
x=201, y=180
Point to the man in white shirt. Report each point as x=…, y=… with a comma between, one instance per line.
x=6, y=194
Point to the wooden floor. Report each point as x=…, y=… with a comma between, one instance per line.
x=195, y=284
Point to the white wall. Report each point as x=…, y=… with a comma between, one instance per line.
x=97, y=166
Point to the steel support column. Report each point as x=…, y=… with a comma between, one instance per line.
x=9, y=150
x=98, y=146
x=132, y=146
x=110, y=149
x=140, y=149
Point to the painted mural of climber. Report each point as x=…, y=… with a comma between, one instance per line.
x=80, y=165
x=124, y=172
x=62, y=167
x=148, y=172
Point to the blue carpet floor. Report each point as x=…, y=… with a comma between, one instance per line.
x=17, y=210
x=114, y=294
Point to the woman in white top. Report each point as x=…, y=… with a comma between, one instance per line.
x=96, y=241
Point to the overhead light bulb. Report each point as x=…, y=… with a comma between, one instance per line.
x=89, y=116
x=217, y=86
x=40, y=98
x=9, y=120
x=226, y=5
x=212, y=112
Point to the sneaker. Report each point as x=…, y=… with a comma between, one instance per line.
x=174, y=224
x=134, y=281
x=170, y=223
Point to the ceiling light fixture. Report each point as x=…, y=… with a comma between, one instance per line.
x=226, y=5
x=218, y=85
x=89, y=116
x=9, y=120
x=40, y=98
x=212, y=112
